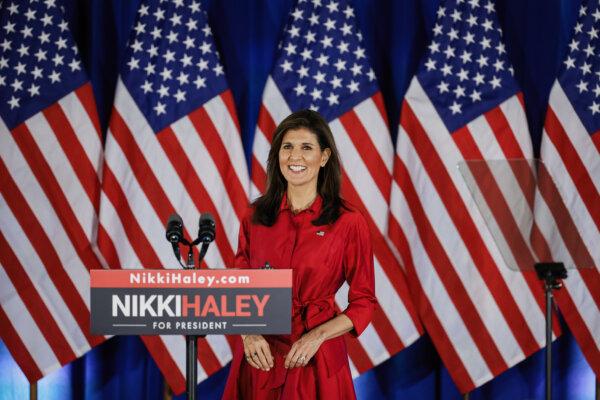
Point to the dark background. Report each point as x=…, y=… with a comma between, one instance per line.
x=246, y=33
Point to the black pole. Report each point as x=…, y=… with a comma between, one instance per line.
x=191, y=348
x=191, y=375
x=549, y=296
x=551, y=273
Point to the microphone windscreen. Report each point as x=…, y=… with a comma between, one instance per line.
x=206, y=228
x=174, y=228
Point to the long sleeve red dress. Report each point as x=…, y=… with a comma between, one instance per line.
x=322, y=259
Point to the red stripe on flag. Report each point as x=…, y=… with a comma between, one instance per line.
x=83, y=168
x=503, y=133
x=575, y=166
x=17, y=349
x=195, y=187
x=60, y=204
x=35, y=305
x=49, y=257
x=86, y=97
x=211, y=138
x=444, y=268
x=443, y=344
x=265, y=123
x=357, y=354
x=136, y=236
x=596, y=140
x=259, y=176
x=367, y=151
x=378, y=100
x=227, y=98
x=107, y=248
x=570, y=312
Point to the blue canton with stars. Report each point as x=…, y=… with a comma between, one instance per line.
x=580, y=78
x=39, y=62
x=465, y=71
x=172, y=66
x=322, y=63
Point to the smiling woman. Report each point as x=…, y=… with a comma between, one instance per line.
x=301, y=223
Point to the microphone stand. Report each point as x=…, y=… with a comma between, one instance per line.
x=191, y=346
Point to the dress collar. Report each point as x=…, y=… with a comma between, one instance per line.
x=315, y=207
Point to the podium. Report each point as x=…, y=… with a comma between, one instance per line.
x=533, y=229
x=190, y=302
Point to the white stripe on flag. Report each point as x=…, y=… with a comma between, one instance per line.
x=25, y=326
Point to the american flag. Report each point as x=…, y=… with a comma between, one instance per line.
x=571, y=154
x=173, y=145
x=322, y=65
x=50, y=159
x=464, y=104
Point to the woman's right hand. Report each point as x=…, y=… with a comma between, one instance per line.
x=258, y=353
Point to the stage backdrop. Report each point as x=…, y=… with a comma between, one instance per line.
x=246, y=33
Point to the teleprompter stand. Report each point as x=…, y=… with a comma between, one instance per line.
x=552, y=274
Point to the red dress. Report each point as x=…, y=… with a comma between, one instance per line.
x=322, y=259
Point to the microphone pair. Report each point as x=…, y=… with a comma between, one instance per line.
x=206, y=233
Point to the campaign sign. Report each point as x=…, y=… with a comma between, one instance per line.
x=191, y=302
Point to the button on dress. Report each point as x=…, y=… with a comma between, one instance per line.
x=322, y=259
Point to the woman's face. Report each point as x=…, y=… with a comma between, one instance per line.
x=301, y=157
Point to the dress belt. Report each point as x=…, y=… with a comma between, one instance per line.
x=330, y=357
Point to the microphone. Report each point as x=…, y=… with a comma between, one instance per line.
x=206, y=233
x=206, y=228
x=174, y=232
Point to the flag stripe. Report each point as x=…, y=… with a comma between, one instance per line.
x=368, y=152
x=34, y=303
x=73, y=150
x=579, y=326
x=259, y=176
x=577, y=170
x=43, y=245
x=265, y=123
x=85, y=95
x=18, y=350
x=220, y=154
x=500, y=127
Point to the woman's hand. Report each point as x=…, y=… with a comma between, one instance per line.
x=304, y=349
x=258, y=353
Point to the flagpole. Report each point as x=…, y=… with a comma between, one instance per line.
x=33, y=391
x=597, y=388
x=167, y=394
x=466, y=396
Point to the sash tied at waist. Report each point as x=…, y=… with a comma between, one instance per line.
x=331, y=355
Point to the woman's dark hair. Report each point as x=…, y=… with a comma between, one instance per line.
x=267, y=206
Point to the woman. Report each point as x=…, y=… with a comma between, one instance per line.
x=302, y=223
